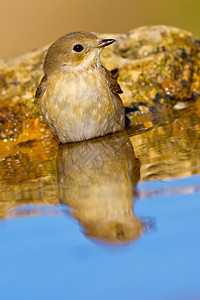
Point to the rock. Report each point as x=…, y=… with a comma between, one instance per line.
x=19, y=77
x=155, y=65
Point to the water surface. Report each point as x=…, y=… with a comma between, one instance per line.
x=111, y=218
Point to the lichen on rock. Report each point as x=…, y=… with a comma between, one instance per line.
x=156, y=66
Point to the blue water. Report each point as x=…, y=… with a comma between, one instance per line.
x=48, y=257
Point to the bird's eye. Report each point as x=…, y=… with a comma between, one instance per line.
x=78, y=48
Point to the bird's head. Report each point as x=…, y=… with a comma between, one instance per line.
x=78, y=50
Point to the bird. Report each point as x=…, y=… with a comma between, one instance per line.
x=77, y=96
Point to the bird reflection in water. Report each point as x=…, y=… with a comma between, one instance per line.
x=97, y=180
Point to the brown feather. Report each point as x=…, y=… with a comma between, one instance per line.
x=112, y=83
x=42, y=87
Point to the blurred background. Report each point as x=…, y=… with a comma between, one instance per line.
x=28, y=24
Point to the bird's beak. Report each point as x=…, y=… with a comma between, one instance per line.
x=104, y=43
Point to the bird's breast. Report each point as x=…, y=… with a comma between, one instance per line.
x=79, y=106
x=79, y=94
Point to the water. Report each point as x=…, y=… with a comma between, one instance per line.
x=112, y=218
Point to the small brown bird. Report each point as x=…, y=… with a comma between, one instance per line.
x=77, y=96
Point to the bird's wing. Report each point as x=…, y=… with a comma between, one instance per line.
x=42, y=87
x=112, y=83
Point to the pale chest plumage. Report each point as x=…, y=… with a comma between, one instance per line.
x=79, y=106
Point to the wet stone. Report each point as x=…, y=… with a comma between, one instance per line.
x=155, y=65
x=12, y=117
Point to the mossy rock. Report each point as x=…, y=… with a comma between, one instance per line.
x=156, y=66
